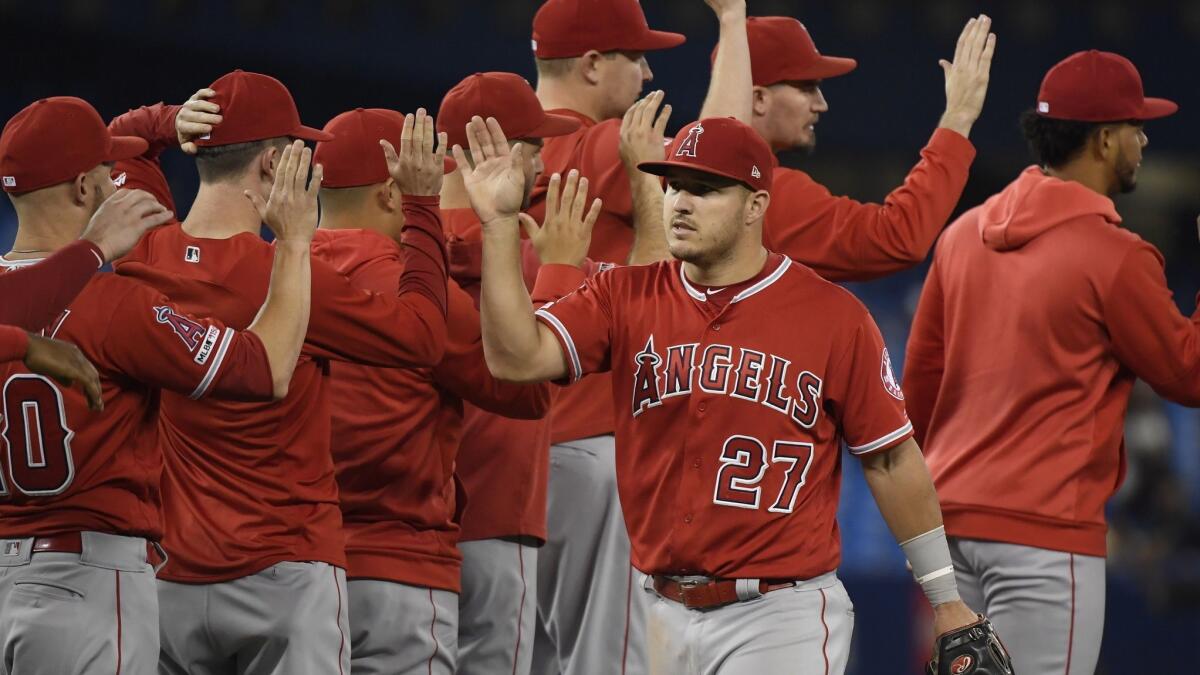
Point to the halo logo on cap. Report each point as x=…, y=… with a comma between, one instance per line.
x=688, y=147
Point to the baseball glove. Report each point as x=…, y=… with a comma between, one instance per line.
x=970, y=650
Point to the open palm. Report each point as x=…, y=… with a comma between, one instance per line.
x=496, y=183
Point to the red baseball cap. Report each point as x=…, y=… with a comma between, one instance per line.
x=353, y=157
x=721, y=146
x=781, y=50
x=1096, y=86
x=568, y=28
x=507, y=97
x=54, y=140
x=255, y=107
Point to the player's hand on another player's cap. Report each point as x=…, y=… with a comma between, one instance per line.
x=122, y=219
x=496, y=182
x=419, y=165
x=967, y=76
x=66, y=364
x=196, y=119
x=643, y=131
x=566, y=234
x=291, y=210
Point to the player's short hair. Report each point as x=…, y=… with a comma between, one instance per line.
x=1055, y=142
x=556, y=67
x=226, y=162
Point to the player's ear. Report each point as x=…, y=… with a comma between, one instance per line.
x=80, y=190
x=761, y=101
x=267, y=159
x=756, y=206
x=589, y=66
x=1104, y=143
x=387, y=195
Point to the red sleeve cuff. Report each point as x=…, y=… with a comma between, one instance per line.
x=883, y=443
x=555, y=280
x=952, y=143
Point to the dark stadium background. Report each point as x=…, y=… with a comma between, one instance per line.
x=340, y=54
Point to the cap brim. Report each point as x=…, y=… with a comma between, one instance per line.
x=654, y=40
x=310, y=134
x=661, y=168
x=823, y=68
x=554, y=125
x=1153, y=108
x=126, y=147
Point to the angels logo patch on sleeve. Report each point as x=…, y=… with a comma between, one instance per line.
x=189, y=331
x=889, y=377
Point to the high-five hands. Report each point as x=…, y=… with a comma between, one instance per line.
x=496, y=182
x=419, y=166
x=967, y=76
x=291, y=210
x=643, y=131
x=566, y=235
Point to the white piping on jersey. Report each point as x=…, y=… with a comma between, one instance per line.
x=99, y=260
x=14, y=264
x=572, y=353
x=880, y=442
x=211, y=375
x=761, y=285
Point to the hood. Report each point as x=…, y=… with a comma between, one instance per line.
x=1035, y=203
x=349, y=250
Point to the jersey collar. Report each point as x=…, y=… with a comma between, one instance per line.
x=757, y=287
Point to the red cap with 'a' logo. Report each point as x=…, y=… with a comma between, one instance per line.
x=721, y=146
x=568, y=28
x=255, y=107
x=54, y=140
x=354, y=157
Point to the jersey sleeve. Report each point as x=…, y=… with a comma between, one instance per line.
x=1149, y=334
x=35, y=295
x=556, y=281
x=464, y=372
x=925, y=356
x=864, y=393
x=149, y=340
x=13, y=344
x=582, y=323
x=156, y=124
x=846, y=240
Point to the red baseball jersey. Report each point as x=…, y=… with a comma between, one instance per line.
x=36, y=294
x=503, y=462
x=248, y=485
x=69, y=469
x=396, y=431
x=839, y=238
x=729, y=425
x=13, y=343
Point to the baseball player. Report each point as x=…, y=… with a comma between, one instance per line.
x=503, y=462
x=1031, y=395
x=729, y=430
x=79, y=490
x=255, y=582
x=396, y=431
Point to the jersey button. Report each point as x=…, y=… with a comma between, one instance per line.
x=702, y=406
x=696, y=463
x=687, y=518
x=716, y=326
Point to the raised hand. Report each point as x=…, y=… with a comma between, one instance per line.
x=967, y=77
x=195, y=119
x=496, y=182
x=291, y=210
x=643, y=131
x=65, y=363
x=419, y=166
x=723, y=8
x=566, y=234
x=121, y=221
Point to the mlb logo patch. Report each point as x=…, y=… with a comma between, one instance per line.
x=12, y=548
x=1043, y=107
x=10, y=181
x=192, y=254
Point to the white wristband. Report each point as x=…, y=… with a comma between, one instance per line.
x=929, y=555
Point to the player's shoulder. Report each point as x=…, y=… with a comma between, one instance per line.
x=349, y=250
x=815, y=293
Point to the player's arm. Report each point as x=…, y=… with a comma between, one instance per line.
x=925, y=357
x=730, y=91
x=464, y=372
x=60, y=360
x=517, y=347
x=643, y=140
x=1149, y=334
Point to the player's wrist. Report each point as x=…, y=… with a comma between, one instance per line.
x=933, y=569
x=957, y=121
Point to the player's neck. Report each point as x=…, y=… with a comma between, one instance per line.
x=454, y=192
x=735, y=268
x=221, y=211
x=556, y=95
x=1094, y=177
x=42, y=230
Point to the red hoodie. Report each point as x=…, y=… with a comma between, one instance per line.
x=1037, y=315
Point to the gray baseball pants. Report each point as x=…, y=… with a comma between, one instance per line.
x=78, y=613
x=497, y=608
x=591, y=614
x=289, y=619
x=398, y=629
x=804, y=629
x=1047, y=606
